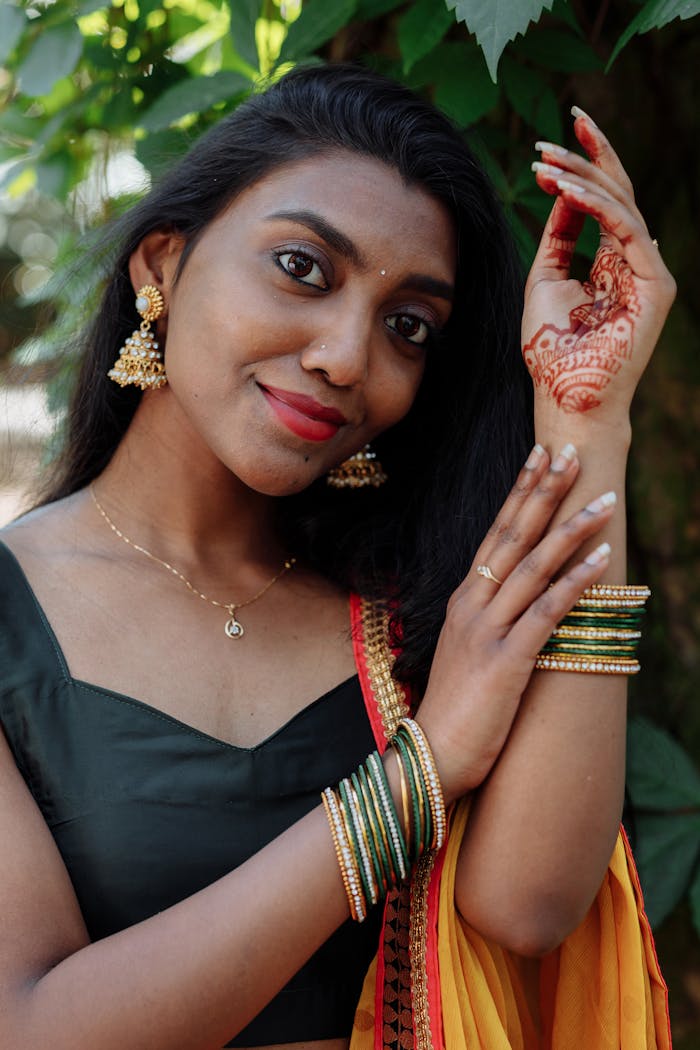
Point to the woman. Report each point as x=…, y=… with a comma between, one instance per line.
x=334, y=270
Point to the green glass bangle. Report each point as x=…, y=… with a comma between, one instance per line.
x=346, y=811
x=378, y=778
x=403, y=735
x=416, y=777
x=400, y=746
x=371, y=841
x=382, y=841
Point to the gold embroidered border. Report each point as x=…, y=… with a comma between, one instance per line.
x=417, y=940
x=392, y=704
x=390, y=696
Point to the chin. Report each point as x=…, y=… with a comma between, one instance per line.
x=277, y=481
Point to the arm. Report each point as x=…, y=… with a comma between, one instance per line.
x=544, y=823
x=189, y=977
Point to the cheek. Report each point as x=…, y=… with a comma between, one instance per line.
x=397, y=391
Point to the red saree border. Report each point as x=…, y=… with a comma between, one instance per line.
x=386, y=702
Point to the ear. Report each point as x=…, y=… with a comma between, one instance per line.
x=155, y=261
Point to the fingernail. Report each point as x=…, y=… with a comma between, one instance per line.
x=571, y=187
x=598, y=555
x=535, y=457
x=546, y=169
x=608, y=499
x=551, y=147
x=566, y=456
x=576, y=111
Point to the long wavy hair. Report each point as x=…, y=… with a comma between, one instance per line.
x=452, y=459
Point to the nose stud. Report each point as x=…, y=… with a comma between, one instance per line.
x=323, y=346
x=382, y=273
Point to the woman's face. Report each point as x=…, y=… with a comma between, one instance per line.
x=301, y=322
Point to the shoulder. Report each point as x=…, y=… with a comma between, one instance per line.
x=45, y=533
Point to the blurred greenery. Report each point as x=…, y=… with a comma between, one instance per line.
x=98, y=98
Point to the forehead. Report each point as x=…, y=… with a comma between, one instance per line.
x=366, y=199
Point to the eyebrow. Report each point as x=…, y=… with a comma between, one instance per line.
x=329, y=233
x=340, y=242
x=420, y=282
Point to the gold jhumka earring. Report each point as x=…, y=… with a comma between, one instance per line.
x=358, y=471
x=140, y=361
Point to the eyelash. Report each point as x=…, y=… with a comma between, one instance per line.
x=432, y=332
x=289, y=252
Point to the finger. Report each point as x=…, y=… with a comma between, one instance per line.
x=560, y=160
x=617, y=220
x=535, y=626
x=558, y=241
x=598, y=148
x=534, y=573
x=512, y=537
x=531, y=472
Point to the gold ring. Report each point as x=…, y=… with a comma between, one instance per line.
x=483, y=570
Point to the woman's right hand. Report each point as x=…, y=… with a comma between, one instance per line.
x=492, y=633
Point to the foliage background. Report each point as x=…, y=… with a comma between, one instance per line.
x=97, y=98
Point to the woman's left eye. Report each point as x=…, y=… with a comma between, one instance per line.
x=410, y=327
x=302, y=268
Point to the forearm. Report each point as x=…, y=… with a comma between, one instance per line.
x=197, y=973
x=544, y=823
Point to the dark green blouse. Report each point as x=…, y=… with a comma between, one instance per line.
x=147, y=810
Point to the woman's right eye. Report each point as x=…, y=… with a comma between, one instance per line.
x=302, y=268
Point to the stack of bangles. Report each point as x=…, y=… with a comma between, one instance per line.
x=375, y=849
x=601, y=633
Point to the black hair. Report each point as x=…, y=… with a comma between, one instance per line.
x=453, y=458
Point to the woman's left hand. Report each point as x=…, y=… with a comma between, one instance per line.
x=586, y=345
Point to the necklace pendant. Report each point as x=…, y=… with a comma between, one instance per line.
x=233, y=628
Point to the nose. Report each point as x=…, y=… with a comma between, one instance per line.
x=341, y=351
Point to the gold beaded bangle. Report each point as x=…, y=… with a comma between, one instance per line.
x=639, y=591
x=590, y=666
x=348, y=871
x=361, y=839
x=621, y=634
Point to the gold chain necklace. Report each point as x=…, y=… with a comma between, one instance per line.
x=234, y=628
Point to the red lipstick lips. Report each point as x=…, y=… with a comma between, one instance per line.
x=302, y=415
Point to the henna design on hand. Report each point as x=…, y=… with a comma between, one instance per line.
x=575, y=364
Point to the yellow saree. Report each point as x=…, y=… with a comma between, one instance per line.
x=436, y=984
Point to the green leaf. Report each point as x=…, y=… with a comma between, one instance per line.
x=525, y=242
x=666, y=849
x=318, y=22
x=421, y=29
x=495, y=22
x=660, y=776
x=244, y=15
x=695, y=900
x=193, y=95
x=367, y=9
x=557, y=50
x=54, y=55
x=86, y=7
x=12, y=24
x=463, y=88
x=53, y=175
x=562, y=10
x=532, y=98
x=160, y=150
x=654, y=15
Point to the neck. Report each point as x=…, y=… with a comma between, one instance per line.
x=168, y=493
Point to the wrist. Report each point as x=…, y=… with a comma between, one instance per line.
x=554, y=428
